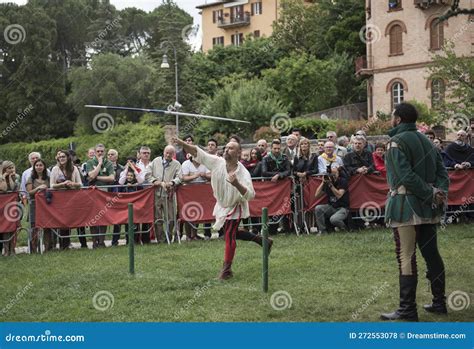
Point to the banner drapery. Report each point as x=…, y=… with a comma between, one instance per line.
x=10, y=212
x=374, y=188
x=196, y=201
x=92, y=207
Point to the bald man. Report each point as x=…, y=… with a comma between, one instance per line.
x=163, y=172
x=233, y=189
x=262, y=145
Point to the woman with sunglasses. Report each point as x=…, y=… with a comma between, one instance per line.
x=65, y=176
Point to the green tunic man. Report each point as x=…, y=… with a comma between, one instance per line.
x=419, y=185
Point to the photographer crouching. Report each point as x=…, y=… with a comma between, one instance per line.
x=336, y=186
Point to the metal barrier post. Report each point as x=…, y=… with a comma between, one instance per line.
x=131, y=240
x=265, y=249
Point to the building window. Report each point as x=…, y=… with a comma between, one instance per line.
x=217, y=16
x=397, y=94
x=256, y=34
x=256, y=8
x=396, y=40
x=218, y=41
x=237, y=39
x=236, y=13
x=394, y=5
x=437, y=92
x=436, y=35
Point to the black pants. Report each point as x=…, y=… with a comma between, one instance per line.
x=80, y=232
x=116, y=234
x=145, y=235
x=64, y=238
x=207, y=230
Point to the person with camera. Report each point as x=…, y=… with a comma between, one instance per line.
x=336, y=186
x=101, y=173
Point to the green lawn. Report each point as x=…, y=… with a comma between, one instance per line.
x=340, y=277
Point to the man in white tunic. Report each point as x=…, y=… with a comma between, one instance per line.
x=232, y=188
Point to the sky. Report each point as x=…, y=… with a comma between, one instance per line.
x=148, y=5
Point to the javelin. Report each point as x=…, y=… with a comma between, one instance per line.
x=165, y=112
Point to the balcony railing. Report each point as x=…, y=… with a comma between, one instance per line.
x=424, y=4
x=236, y=21
x=364, y=65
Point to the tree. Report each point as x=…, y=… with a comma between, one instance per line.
x=204, y=74
x=455, y=10
x=321, y=28
x=249, y=100
x=72, y=19
x=304, y=83
x=111, y=80
x=457, y=73
x=31, y=88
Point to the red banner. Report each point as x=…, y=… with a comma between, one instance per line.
x=10, y=212
x=92, y=207
x=196, y=201
x=365, y=188
x=461, y=187
x=375, y=188
x=276, y=196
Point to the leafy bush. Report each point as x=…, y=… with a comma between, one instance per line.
x=126, y=138
x=265, y=132
x=314, y=128
x=372, y=127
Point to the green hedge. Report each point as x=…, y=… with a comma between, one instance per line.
x=313, y=128
x=317, y=128
x=126, y=138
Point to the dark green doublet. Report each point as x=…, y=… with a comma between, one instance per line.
x=414, y=167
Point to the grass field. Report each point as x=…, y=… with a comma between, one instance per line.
x=339, y=277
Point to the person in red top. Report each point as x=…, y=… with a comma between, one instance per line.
x=379, y=161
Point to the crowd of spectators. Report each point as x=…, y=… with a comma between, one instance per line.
x=335, y=160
